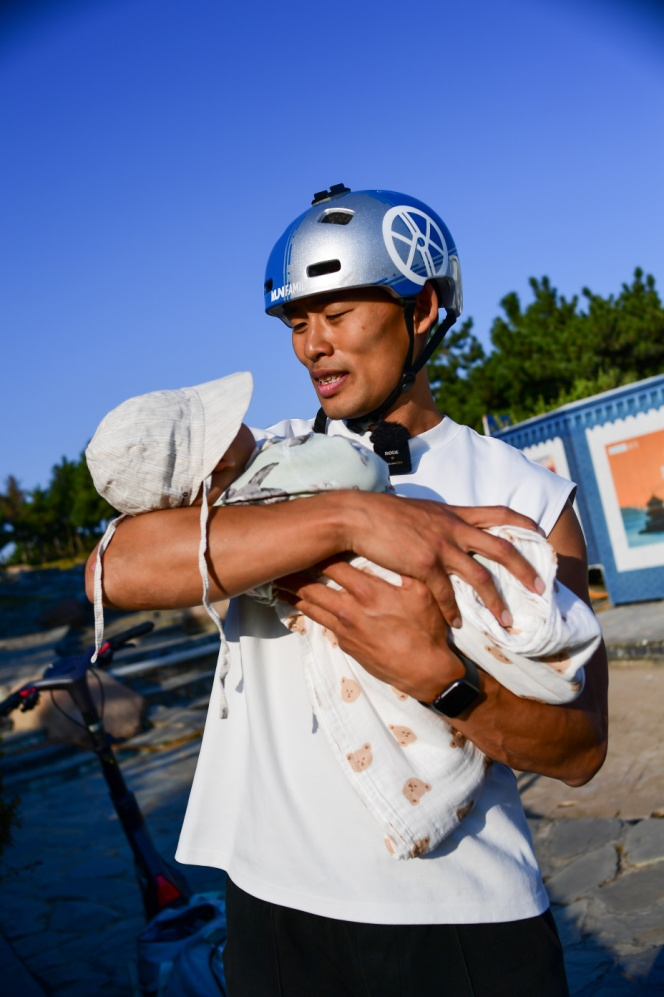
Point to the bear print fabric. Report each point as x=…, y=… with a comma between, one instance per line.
x=416, y=774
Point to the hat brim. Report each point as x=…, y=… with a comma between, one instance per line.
x=225, y=402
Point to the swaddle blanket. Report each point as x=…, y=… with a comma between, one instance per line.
x=418, y=775
x=541, y=656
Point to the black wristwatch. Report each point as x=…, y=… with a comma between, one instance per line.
x=461, y=694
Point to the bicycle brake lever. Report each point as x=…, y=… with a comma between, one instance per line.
x=28, y=699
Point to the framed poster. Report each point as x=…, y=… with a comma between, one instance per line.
x=550, y=454
x=628, y=457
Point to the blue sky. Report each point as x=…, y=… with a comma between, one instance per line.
x=154, y=150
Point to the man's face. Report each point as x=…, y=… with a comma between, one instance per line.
x=354, y=344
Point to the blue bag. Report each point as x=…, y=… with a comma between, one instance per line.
x=180, y=950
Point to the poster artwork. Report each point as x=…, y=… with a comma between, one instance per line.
x=548, y=461
x=637, y=469
x=550, y=454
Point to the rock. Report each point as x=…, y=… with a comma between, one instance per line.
x=572, y=836
x=584, y=874
x=636, y=890
x=644, y=843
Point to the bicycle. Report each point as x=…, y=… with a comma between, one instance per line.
x=182, y=943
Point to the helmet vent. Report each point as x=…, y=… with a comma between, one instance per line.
x=327, y=266
x=336, y=216
x=268, y=285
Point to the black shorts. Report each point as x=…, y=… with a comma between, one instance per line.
x=275, y=951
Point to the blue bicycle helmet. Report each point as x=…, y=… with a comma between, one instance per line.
x=367, y=238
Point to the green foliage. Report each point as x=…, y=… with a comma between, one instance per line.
x=552, y=352
x=455, y=369
x=64, y=520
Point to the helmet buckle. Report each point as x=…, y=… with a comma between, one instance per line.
x=407, y=381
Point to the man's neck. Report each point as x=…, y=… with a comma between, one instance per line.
x=416, y=410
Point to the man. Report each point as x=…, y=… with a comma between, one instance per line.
x=316, y=903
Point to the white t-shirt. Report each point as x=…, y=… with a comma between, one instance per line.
x=269, y=802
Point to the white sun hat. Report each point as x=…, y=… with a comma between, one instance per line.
x=156, y=451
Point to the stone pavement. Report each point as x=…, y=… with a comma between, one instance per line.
x=71, y=909
x=605, y=879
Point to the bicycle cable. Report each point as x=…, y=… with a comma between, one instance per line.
x=102, y=702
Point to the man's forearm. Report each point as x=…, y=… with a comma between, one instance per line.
x=152, y=562
x=570, y=742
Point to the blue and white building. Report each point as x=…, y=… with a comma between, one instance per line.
x=612, y=445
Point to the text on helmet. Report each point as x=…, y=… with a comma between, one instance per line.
x=286, y=290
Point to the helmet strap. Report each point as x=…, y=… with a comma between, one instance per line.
x=436, y=338
x=320, y=422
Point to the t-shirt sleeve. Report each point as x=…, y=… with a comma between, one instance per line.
x=538, y=492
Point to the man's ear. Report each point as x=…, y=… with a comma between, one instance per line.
x=426, y=309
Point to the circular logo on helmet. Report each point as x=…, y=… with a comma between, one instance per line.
x=415, y=243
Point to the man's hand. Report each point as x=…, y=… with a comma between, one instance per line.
x=383, y=626
x=429, y=541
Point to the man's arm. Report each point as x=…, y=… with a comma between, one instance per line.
x=399, y=635
x=152, y=561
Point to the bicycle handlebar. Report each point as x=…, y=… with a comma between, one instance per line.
x=62, y=674
x=121, y=639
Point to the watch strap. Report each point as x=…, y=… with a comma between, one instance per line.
x=460, y=694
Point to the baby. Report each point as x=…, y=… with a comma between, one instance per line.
x=162, y=450
x=417, y=775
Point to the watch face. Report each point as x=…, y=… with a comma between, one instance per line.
x=456, y=699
